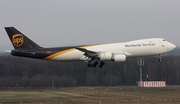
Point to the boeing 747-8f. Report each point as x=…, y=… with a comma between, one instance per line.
x=94, y=54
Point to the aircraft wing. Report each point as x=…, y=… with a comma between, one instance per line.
x=87, y=53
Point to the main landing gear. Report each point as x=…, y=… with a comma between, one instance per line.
x=95, y=64
x=101, y=64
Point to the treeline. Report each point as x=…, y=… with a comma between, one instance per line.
x=32, y=73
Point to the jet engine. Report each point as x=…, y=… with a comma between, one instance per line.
x=106, y=56
x=119, y=58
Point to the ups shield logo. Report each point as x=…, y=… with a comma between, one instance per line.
x=17, y=40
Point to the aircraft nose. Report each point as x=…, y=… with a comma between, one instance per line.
x=171, y=46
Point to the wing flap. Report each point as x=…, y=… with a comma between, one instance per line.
x=87, y=53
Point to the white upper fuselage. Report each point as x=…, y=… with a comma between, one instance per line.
x=142, y=47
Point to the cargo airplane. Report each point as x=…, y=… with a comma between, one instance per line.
x=94, y=54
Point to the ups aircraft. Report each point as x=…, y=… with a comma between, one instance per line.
x=94, y=54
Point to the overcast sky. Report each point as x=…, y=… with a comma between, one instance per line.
x=75, y=22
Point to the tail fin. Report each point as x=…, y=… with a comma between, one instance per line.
x=19, y=40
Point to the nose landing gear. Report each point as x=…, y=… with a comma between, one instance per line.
x=160, y=59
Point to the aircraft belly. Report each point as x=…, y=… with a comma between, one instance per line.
x=69, y=56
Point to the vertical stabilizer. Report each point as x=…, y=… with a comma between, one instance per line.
x=19, y=40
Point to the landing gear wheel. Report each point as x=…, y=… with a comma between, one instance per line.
x=92, y=64
x=101, y=64
x=159, y=60
x=95, y=64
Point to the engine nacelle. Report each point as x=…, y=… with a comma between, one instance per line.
x=119, y=58
x=105, y=56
